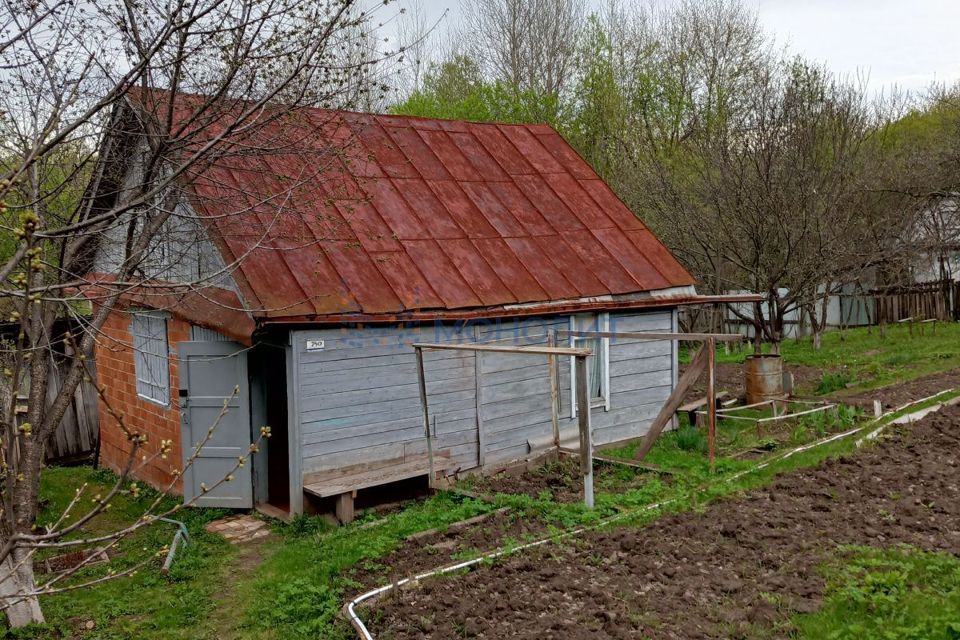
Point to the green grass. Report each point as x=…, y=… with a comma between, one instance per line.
x=875, y=594
x=860, y=356
x=832, y=381
x=146, y=604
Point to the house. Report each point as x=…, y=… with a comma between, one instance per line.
x=320, y=267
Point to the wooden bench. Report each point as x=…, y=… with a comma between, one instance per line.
x=344, y=483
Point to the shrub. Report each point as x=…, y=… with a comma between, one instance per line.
x=689, y=438
x=833, y=381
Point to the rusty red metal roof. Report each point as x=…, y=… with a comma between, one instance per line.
x=331, y=213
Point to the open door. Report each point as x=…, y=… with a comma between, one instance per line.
x=209, y=373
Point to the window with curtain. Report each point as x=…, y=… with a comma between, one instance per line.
x=594, y=366
x=151, y=357
x=597, y=363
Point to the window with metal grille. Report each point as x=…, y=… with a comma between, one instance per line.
x=151, y=357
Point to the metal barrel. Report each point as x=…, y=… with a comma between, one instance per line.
x=764, y=377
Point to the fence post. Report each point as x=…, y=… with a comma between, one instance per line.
x=426, y=414
x=586, y=440
x=711, y=347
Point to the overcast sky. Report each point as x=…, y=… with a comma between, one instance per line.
x=910, y=43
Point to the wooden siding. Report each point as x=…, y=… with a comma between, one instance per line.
x=357, y=399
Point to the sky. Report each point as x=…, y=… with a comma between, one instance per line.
x=908, y=43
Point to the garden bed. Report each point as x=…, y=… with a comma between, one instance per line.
x=897, y=394
x=741, y=568
x=561, y=481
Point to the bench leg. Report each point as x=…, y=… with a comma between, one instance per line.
x=345, y=507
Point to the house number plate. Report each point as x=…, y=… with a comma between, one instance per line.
x=314, y=345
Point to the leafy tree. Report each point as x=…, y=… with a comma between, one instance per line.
x=456, y=89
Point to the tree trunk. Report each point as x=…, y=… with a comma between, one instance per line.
x=16, y=588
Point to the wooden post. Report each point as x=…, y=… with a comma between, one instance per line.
x=478, y=376
x=422, y=379
x=554, y=388
x=689, y=377
x=583, y=418
x=344, y=507
x=711, y=347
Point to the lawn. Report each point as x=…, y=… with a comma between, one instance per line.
x=301, y=576
x=861, y=358
x=147, y=604
x=901, y=593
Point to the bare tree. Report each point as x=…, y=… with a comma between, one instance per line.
x=530, y=45
x=759, y=171
x=108, y=112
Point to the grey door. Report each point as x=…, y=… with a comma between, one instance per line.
x=209, y=372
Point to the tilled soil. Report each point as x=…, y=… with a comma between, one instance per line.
x=900, y=393
x=560, y=481
x=429, y=550
x=714, y=574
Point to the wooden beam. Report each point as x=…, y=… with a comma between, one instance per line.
x=634, y=465
x=554, y=388
x=477, y=372
x=711, y=348
x=344, y=507
x=528, y=350
x=422, y=380
x=583, y=419
x=644, y=335
x=689, y=377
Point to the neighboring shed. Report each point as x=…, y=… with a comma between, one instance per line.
x=390, y=230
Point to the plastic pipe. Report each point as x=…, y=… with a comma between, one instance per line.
x=180, y=536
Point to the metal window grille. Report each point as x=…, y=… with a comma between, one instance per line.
x=151, y=355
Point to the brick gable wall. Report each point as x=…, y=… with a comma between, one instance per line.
x=115, y=370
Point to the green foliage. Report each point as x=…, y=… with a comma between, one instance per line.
x=689, y=438
x=833, y=381
x=836, y=419
x=456, y=89
x=876, y=594
x=179, y=605
x=303, y=608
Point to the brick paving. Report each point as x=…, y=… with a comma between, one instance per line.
x=240, y=528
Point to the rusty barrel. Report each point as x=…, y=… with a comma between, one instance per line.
x=764, y=377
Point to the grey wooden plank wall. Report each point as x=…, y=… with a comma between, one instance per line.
x=359, y=399
x=641, y=378
x=359, y=402
x=515, y=390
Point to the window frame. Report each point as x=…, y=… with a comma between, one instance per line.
x=601, y=320
x=151, y=356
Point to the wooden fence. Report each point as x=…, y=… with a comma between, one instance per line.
x=936, y=300
x=76, y=436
